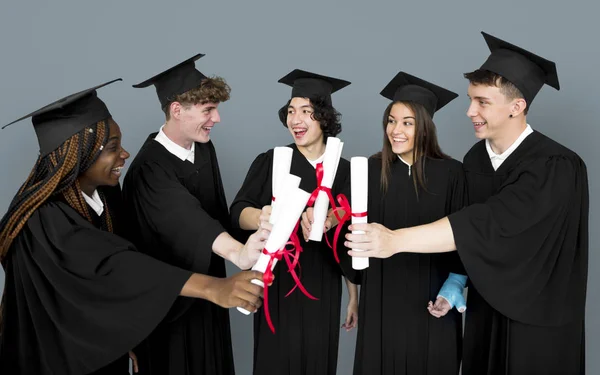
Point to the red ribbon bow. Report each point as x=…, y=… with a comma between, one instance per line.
x=287, y=255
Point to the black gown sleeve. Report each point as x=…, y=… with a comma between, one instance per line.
x=457, y=199
x=78, y=297
x=256, y=190
x=175, y=216
x=525, y=248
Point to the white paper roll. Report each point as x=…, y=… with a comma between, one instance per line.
x=359, y=185
x=289, y=183
x=333, y=151
x=282, y=160
x=293, y=203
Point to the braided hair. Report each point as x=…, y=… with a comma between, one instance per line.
x=55, y=175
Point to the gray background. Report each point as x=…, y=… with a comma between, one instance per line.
x=53, y=48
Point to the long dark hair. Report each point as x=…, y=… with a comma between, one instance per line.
x=323, y=112
x=426, y=146
x=56, y=174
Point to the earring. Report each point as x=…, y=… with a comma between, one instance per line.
x=510, y=115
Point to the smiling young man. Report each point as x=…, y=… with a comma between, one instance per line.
x=307, y=338
x=177, y=212
x=524, y=238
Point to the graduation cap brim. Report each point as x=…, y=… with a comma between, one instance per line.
x=61, y=103
x=406, y=87
x=526, y=70
x=306, y=84
x=58, y=121
x=175, y=80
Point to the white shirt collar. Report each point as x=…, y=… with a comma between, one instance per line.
x=94, y=202
x=175, y=149
x=496, y=159
x=316, y=161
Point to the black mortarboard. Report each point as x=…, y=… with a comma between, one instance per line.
x=175, y=81
x=57, y=122
x=405, y=87
x=305, y=84
x=522, y=68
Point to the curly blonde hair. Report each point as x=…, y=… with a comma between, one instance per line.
x=211, y=90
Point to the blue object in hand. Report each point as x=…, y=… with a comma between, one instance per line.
x=452, y=291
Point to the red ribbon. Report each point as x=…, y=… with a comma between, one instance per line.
x=345, y=206
x=313, y=198
x=287, y=255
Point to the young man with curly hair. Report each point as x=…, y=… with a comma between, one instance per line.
x=177, y=212
x=307, y=335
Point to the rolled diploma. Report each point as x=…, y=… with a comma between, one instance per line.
x=333, y=151
x=359, y=177
x=293, y=204
x=289, y=182
x=282, y=160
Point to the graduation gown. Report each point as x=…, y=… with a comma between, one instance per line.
x=175, y=211
x=307, y=331
x=77, y=298
x=524, y=244
x=396, y=333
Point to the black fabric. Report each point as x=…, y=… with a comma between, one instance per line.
x=524, y=244
x=58, y=121
x=175, y=81
x=405, y=87
x=306, y=84
x=396, y=333
x=175, y=211
x=528, y=71
x=77, y=297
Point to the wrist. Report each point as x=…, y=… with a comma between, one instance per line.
x=211, y=290
x=397, y=241
x=236, y=256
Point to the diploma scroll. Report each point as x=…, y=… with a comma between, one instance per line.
x=293, y=203
x=359, y=176
x=282, y=161
x=331, y=160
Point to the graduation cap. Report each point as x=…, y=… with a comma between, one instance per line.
x=58, y=121
x=405, y=87
x=175, y=81
x=522, y=68
x=306, y=84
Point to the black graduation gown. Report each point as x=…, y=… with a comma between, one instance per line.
x=78, y=297
x=396, y=333
x=307, y=331
x=524, y=244
x=175, y=211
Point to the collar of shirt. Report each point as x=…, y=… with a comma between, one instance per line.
x=94, y=202
x=319, y=160
x=496, y=159
x=175, y=149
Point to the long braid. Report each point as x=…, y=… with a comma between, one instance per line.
x=56, y=173
x=53, y=174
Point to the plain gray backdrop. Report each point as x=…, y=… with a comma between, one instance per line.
x=49, y=49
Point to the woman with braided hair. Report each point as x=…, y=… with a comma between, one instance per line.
x=78, y=297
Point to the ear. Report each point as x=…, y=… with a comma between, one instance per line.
x=517, y=107
x=175, y=110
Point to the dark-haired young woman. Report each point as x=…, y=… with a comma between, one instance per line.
x=411, y=181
